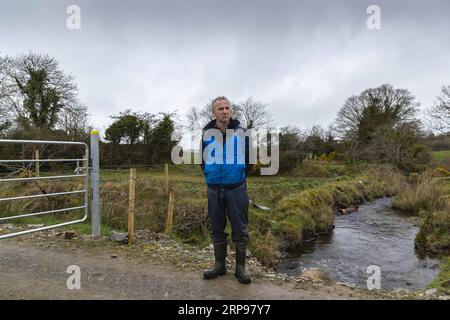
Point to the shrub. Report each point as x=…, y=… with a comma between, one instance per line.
x=311, y=169
x=424, y=194
x=434, y=233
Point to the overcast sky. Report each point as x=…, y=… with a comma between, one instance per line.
x=302, y=58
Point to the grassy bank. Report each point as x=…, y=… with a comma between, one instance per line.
x=429, y=197
x=302, y=215
x=442, y=281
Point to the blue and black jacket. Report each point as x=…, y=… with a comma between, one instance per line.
x=226, y=175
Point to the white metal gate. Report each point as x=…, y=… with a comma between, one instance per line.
x=85, y=174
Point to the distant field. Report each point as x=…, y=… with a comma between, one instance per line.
x=441, y=155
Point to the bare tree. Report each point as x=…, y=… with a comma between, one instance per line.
x=440, y=111
x=35, y=89
x=74, y=122
x=384, y=105
x=253, y=113
x=199, y=117
x=3, y=89
x=5, y=112
x=401, y=145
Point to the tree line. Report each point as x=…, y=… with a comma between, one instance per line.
x=38, y=100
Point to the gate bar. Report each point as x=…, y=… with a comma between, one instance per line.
x=42, y=178
x=40, y=160
x=42, y=195
x=40, y=213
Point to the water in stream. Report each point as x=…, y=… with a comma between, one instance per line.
x=375, y=235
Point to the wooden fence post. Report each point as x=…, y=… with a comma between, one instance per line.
x=166, y=174
x=169, y=221
x=131, y=206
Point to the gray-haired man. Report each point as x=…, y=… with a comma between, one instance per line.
x=227, y=189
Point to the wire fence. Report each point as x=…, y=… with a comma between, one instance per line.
x=166, y=198
x=162, y=201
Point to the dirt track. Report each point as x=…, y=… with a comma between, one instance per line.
x=28, y=271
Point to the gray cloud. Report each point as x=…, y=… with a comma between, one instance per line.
x=302, y=58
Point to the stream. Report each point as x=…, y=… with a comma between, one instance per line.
x=374, y=235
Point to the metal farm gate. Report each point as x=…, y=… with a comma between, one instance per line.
x=85, y=173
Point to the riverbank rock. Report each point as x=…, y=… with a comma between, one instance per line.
x=315, y=275
x=7, y=226
x=118, y=237
x=431, y=292
x=35, y=226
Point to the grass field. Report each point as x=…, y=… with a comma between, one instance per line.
x=441, y=156
x=301, y=202
x=151, y=200
x=187, y=182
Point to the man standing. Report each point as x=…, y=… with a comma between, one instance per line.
x=227, y=187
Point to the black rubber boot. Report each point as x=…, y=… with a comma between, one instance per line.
x=220, y=268
x=240, y=273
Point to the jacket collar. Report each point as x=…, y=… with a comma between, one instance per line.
x=233, y=124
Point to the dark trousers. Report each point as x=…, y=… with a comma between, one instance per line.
x=234, y=204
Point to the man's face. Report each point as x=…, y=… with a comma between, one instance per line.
x=222, y=110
